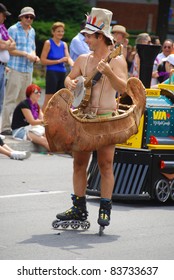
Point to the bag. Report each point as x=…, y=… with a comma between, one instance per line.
x=36, y=129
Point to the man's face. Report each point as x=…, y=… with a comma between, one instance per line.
x=91, y=40
x=167, y=48
x=27, y=20
x=119, y=37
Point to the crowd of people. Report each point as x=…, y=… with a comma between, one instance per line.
x=18, y=56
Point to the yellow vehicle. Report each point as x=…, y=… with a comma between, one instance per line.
x=144, y=165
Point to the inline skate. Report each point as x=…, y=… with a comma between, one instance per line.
x=104, y=214
x=74, y=217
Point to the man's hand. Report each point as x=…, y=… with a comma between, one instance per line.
x=71, y=84
x=104, y=67
x=32, y=58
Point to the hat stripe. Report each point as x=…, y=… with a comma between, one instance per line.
x=92, y=22
x=92, y=27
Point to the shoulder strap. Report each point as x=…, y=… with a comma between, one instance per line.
x=85, y=66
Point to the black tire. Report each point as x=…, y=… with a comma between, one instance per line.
x=162, y=190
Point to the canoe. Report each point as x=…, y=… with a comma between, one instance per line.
x=68, y=131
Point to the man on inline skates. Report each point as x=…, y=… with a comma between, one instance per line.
x=101, y=104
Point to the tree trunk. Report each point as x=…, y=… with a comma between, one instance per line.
x=163, y=17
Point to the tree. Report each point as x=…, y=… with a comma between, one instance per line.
x=51, y=10
x=163, y=17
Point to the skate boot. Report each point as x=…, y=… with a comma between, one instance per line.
x=104, y=214
x=75, y=217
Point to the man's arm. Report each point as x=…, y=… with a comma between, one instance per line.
x=7, y=45
x=71, y=79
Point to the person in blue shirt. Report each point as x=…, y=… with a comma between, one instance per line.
x=20, y=65
x=54, y=55
x=78, y=46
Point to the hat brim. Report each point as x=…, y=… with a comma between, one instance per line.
x=27, y=13
x=168, y=60
x=89, y=31
x=7, y=13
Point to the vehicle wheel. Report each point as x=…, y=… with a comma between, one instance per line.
x=162, y=190
x=172, y=190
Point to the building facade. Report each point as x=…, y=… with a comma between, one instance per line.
x=137, y=16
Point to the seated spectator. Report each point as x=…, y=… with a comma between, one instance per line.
x=162, y=73
x=7, y=151
x=27, y=121
x=169, y=68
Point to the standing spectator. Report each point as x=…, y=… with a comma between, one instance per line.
x=167, y=48
x=159, y=74
x=121, y=37
x=55, y=54
x=144, y=39
x=78, y=45
x=6, y=44
x=20, y=65
x=131, y=51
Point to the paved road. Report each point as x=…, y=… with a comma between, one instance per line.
x=34, y=190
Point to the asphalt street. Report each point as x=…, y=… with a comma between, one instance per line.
x=34, y=190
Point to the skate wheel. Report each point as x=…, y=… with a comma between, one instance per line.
x=65, y=225
x=55, y=224
x=101, y=230
x=75, y=224
x=85, y=225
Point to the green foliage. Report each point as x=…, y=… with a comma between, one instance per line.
x=51, y=10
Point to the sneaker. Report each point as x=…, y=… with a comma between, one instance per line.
x=20, y=155
x=7, y=132
x=2, y=136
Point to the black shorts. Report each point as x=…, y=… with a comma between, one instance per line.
x=54, y=81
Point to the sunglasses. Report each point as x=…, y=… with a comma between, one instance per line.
x=167, y=47
x=29, y=17
x=37, y=92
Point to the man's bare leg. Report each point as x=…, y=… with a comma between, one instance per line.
x=105, y=158
x=78, y=211
x=81, y=160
